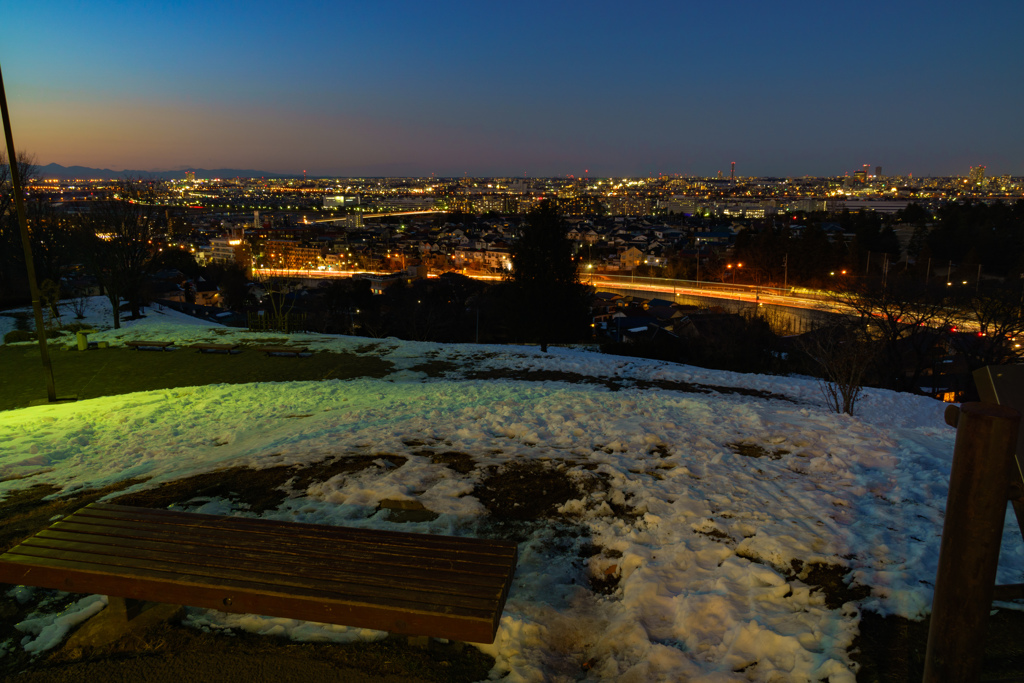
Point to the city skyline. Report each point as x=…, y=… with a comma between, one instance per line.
x=403, y=89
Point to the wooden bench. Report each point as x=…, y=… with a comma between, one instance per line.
x=217, y=348
x=283, y=350
x=150, y=345
x=414, y=584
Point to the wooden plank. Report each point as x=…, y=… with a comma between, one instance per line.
x=289, y=528
x=129, y=565
x=436, y=559
x=472, y=548
x=167, y=555
x=467, y=582
x=252, y=598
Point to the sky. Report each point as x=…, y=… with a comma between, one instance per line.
x=506, y=89
x=704, y=584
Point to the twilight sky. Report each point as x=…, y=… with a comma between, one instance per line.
x=541, y=88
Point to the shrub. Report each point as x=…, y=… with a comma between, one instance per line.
x=15, y=336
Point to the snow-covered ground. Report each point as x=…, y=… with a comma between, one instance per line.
x=705, y=591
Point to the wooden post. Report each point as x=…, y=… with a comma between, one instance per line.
x=979, y=485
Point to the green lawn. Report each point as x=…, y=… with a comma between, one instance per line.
x=117, y=370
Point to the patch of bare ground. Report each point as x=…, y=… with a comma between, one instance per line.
x=543, y=376
x=435, y=368
x=753, y=450
x=527, y=490
x=173, y=653
x=463, y=463
x=259, y=490
x=617, y=384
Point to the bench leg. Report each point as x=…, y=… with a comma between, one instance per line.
x=120, y=618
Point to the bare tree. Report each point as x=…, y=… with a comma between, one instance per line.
x=904, y=320
x=995, y=327
x=844, y=352
x=12, y=267
x=115, y=239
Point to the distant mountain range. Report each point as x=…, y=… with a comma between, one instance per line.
x=84, y=172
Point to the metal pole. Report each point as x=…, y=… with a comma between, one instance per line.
x=30, y=265
x=979, y=486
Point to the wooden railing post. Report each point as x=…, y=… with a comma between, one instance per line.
x=979, y=484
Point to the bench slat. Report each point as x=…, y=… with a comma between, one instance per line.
x=104, y=513
x=195, y=519
x=252, y=541
x=129, y=564
x=250, y=597
x=464, y=583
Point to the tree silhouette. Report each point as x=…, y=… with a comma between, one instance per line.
x=552, y=303
x=114, y=239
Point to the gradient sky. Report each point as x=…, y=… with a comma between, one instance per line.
x=499, y=88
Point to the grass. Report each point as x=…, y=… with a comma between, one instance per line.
x=118, y=370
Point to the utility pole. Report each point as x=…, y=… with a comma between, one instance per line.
x=30, y=266
x=785, y=272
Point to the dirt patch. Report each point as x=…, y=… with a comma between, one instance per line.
x=258, y=490
x=526, y=490
x=830, y=579
x=366, y=349
x=753, y=450
x=543, y=376
x=616, y=384
x=333, y=466
x=435, y=368
x=172, y=652
x=463, y=463
x=709, y=388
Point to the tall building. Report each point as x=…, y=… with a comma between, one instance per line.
x=878, y=171
x=190, y=176
x=976, y=175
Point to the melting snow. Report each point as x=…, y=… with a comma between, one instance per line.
x=704, y=561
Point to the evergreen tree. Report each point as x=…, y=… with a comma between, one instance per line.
x=553, y=305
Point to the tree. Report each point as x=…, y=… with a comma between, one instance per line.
x=843, y=353
x=553, y=304
x=114, y=237
x=904, y=320
x=13, y=278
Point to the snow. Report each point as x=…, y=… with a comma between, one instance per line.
x=706, y=586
